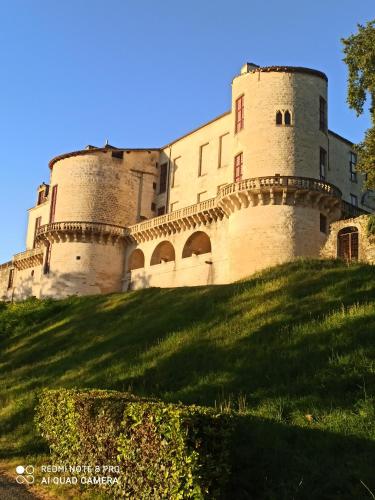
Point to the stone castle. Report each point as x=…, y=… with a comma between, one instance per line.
x=262, y=184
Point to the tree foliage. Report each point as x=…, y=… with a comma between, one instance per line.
x=359, y=50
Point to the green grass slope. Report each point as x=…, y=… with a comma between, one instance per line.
x=292, y=348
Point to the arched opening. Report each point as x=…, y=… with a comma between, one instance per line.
x=287, y=118
x=197, y=244
x=347, y=243
x=164, y=252
x=136, y=260
x=279, y=118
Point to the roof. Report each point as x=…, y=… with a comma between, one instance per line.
x=290, y=69
x=340, y=137
x=94, y=149
x=196, y=129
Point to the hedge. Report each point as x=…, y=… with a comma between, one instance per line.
x=163, y=450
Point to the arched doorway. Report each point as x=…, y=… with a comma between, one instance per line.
x=347, y=243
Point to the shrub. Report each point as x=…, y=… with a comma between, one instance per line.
x=163, y=450
x=22, y=316
x=371, y=225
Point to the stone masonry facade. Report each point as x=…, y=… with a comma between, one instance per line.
x=264, y=183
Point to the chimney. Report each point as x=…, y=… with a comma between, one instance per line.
x=247, y=67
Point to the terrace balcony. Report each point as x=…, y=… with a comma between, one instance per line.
x=81, y=231
x=268, y=190
x=29, y=258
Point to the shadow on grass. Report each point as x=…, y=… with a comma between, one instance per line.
x=266, y=337
x=271, y=460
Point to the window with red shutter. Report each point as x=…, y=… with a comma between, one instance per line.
x=53, y=204
x=239, y=112
x=238, y=167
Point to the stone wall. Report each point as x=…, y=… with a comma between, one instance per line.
x=98, y=187
x=83, y=268
x=5, y=293
x=366, y=242
x=205, y=269
x=338, y=172
x=200, y=163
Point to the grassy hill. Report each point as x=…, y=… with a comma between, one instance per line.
x=292, y=348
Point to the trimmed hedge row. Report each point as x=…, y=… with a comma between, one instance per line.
x=163, y=450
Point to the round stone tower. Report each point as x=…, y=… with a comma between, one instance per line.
x=280, y=127
x=282, y=133
x=94, y=196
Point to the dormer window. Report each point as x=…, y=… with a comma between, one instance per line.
x=42, y=193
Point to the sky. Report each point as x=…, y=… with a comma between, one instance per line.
x=140, y=73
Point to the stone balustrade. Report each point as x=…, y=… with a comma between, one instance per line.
x=194, y=215
x=28, y=258
x=279, y=190
x=6, y=265
x=81, y=231
x=271, y=190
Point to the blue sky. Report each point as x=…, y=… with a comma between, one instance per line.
x=141, y=73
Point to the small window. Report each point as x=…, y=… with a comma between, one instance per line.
x=201, y=196
x=238, y=167
x=224, y=150
x=203, y=159
x=32, y=273
x=323, y=223
x=153, y=207
x=322, y=114
x=41, y=197
x=279, y=118
x=239, y=113
x=78, y=257
x=118, y=154
x=354, y=200
x=161, y=210
x=352, y=167
x=287, y=118
x=163, y=178
x=154, y=186
x=322, y=164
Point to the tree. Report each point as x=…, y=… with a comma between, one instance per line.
x=359, y=50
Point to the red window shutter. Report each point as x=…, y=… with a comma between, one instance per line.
x=53, y=204
x=238, y=167
x=239, y=112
